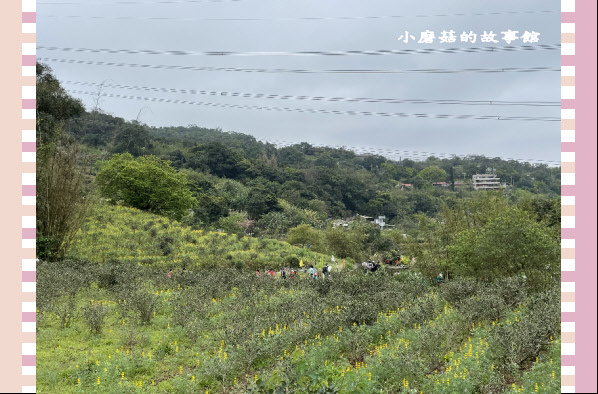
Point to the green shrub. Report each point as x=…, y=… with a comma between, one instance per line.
x=482, y=308
x=94, y=315
x=457, y=290
x=521, y=340
x=513, y=290
x=66, y=311
x=291, y=261
x=144, y=303
x=421, y=311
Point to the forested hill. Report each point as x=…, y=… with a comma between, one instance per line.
x=231, y=171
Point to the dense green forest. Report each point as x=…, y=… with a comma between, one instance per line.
x=233, y=172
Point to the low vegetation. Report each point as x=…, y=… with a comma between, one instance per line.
x=226, y=331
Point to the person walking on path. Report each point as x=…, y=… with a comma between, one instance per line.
x=283, y=273
x=170, y=274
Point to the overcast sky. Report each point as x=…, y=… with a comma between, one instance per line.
x=537, y=140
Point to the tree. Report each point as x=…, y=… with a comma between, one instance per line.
x=290, y=155
x=235, y=223
x=382, y=204
x=274, y=224
x=432, y=174
x=53, y=105
x=60, y=203
x=234, y=192
x=345, y=243
x=210, y=208
x=132, y=138
x=508, y=245
x=146, y=183
x=218, y=159
x=303, y=235
x=436, y=235
x=260, y=202
x=546, y=210
x=61, y=206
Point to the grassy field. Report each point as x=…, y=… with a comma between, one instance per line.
x=222, y=331
x=132, y=236
x=111, y=321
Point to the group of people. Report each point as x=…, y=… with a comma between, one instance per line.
x=283, y=273
x=371, y=266
x=313, y=272
x=292, y=272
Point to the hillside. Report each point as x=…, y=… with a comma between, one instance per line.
x=334, y=182
x=129, y=235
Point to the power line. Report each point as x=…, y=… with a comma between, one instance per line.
x=324, y=111
x=395, y=153
x=378, y=52
x=307, y=18
x=305, y=71
x=390, y=153
x=140, y=2
x=319, y=98
x=398, y=153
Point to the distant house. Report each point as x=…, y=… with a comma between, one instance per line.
x=380, y=221
x=340, y=223
x=404, y=185
x=448, y=184
x=486, y=182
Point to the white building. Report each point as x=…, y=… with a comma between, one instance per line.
x=486, y=182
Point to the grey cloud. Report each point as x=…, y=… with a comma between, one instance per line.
x=526, y=140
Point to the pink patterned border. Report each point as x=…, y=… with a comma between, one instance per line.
x=567, y=196
x=28, y=224
x=578, y=146
x=582, y=276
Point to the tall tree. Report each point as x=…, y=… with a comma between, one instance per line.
x=146, y=183
x=432, y=174
x=53, y=105
x=509, y=245
x=60, y=202
x=132, y=137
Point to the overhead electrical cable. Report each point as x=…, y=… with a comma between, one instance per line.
x=306, y=18
x=377, y=52
x=325, y=111
x=305, y=71
x=125, y=2
x=318, y=98
x=394, y=153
